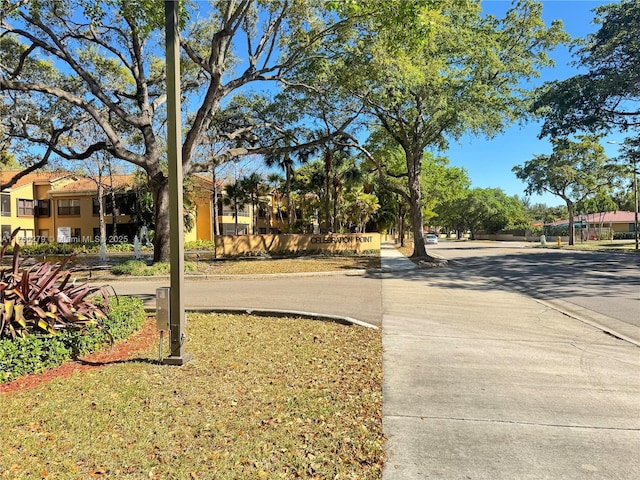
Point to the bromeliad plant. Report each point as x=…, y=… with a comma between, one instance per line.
x=41, y=299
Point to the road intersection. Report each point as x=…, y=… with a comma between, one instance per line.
x=485, y=375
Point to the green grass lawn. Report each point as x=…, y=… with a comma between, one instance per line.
x=263, y=398
x=595, y=245
x=250, y=265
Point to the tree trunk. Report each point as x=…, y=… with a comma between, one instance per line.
x=327, y=192
x=327, y=211
x=159, y=185
x=254, y=208
x=414, y=169
x=571, y=226
x=114, y=213
x=335, y=227
x=235, y=215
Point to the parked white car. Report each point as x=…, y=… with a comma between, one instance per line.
x=431, y=239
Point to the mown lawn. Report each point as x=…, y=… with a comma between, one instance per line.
x=246, y=266
x=288, y=265
x=263, y=398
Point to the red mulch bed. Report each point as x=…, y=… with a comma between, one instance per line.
x=145, y=337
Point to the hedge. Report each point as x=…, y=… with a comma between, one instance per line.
x=37, y=353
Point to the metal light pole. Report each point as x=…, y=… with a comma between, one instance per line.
x=177, y=319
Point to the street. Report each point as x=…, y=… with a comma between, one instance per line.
x=601, y=285
x=355, y=296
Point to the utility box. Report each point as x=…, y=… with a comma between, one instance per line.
x=163, y=308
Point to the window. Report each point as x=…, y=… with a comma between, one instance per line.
x=25, y=207
x=5, y=232
x=5, y=205
x=75, y=234
x=230, y=229
x=68, y=207
x=43, y=208
x=125, y=204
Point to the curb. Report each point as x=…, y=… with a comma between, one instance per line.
x=265, y=312
x=604, y=323
x=608, y=325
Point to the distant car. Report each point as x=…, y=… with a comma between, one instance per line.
x=431, y=239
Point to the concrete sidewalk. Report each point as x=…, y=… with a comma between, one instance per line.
x=486, y=383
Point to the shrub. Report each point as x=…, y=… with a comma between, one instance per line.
x=38, y=249
x=199, y=245
x=41, y=299
x=31, y=354
x=624, y=235
x=125, y=317
x=39, y=352
x=130, y=267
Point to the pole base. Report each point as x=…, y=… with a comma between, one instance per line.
x=171, y=360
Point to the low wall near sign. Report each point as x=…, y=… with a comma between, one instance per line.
x=234, y=245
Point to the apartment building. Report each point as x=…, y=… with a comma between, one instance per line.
x=63, y=207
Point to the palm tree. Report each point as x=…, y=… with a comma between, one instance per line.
x=255, y=190
x=285, y=162
x=233, y=197
x=340, y=170
x=359, y=206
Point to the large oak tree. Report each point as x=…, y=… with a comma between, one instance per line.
x=607, y=95
x=431, y=71
x=65, y=64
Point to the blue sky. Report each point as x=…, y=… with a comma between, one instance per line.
x=489, y=162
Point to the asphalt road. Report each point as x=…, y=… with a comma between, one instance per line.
x=606, y=284
x=356, y=296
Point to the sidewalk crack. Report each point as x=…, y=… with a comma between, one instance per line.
x=516, y=422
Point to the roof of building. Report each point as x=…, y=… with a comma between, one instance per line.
x=82, y=184
x=602, y=217
x=64, y=181
x=34, y=177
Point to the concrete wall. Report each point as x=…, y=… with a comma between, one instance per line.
x=504, y=237
x=234, y=245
